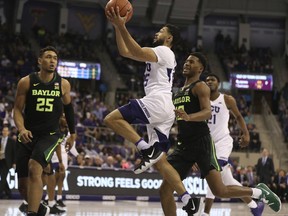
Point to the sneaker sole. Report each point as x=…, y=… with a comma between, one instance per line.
x=152, y=162
x=268, y=189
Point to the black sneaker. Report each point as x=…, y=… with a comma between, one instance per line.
x=60, y=203
x=23, y=208
x=150, y=156
x=45, y=202
x=55, y=210
x=192, y=206
x=43, y=210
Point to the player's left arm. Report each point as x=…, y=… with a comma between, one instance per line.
x=69, y=113
x=202, y=91
x=126, y=44
x=232, y=106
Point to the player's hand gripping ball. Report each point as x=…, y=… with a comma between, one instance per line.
x=124, y=7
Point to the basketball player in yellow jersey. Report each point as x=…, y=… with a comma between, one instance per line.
x=42, y=96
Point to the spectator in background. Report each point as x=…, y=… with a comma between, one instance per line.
x=255, y=143
x=265, y=168
x=109, y=163
x=250, y=176
x=7, y=161
x=279, y=185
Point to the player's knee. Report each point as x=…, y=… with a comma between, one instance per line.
x=108, y=120
x=35, y=169
x=219, y=192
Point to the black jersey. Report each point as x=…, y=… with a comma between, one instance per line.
x=43, y=105
x=184, y=99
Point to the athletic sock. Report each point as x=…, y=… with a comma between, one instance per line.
x=256, y=193
x=141, y=144
x=25, y=202
x=59, y=197
x=252, y=204
x=185, y=197
x=51, y=203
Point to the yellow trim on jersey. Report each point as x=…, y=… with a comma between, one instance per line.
x=214, y=160
x=49, y=155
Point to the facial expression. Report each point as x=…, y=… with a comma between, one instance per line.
x=212, y=82
x=192, y=66
x=5, y=131
x=161, y=36
x=48, y=62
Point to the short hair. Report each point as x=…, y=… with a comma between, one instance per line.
x=202, y=59
x=175, y=32
x=214, y=75
x=48, y=48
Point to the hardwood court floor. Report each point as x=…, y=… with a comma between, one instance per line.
x=135, y=208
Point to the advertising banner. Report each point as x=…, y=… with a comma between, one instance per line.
x=90, y=183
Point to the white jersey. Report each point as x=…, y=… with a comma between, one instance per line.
x=157, y=103
x=158, y=76
x=218, y=125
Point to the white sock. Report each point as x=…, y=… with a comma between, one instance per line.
x=46, y=197
x=59, y=197
x=141, y=144
x=252, y=204
x=204, y=214
x=185, y=198
x=25, y=202
x=256, y=193
x=51, y=203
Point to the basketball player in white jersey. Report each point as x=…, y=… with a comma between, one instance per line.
x=221, y=106
x=156, y=109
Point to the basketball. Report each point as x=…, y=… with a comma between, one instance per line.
x=124, y=7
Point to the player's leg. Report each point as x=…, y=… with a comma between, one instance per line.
x=228, y=179
x=233, y=191
x=35, y=185
x=172, y=182
x=22, y=159
x=41, y=156
x=209, y=200
x=120, y=121
x=60, y=176
x=167, y=199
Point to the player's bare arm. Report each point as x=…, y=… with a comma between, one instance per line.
x=202, y=91
x=20, y=100
x=127, y=46
x=232, y=106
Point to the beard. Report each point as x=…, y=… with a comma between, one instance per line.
x=158, y=42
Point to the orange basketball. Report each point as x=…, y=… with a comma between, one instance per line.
x=124, y=7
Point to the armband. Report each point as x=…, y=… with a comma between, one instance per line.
x=69, y=115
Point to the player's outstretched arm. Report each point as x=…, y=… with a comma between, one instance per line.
x=232, y=106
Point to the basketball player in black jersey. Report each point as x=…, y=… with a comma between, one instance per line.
x=192, y=108
x=43, y=96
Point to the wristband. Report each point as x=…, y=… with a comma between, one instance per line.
x=69, y=115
